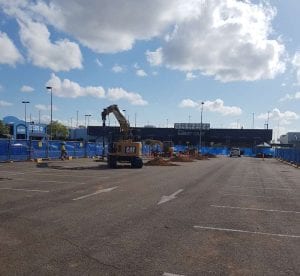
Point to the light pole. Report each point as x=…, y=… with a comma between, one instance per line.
x=50, y=88
x=25, y=103
x=200, y=136
x=88, y=116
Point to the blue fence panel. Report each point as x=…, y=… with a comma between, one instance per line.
x=289, y=155
x=4, y=150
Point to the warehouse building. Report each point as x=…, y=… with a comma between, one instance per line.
x=189, y=134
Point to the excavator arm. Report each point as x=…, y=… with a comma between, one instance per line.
x=124, y=124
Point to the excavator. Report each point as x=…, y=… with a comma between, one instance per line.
x=125, y=150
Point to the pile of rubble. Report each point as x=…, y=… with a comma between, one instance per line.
x=182, y=158
x=159, y=161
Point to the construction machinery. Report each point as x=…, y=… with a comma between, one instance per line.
x=124, y=150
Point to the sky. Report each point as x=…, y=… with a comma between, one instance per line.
x=158, y=60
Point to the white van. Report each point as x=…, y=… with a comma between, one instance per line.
x=235, y=152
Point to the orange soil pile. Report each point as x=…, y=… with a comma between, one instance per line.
x=158, y=161
x=201, y=157
x=182, y=158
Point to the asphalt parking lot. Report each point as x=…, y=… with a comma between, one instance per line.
x=223, y=216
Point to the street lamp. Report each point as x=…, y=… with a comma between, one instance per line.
x=50, y=88
x=88, y=116
x=25, y=103
x=200, y=136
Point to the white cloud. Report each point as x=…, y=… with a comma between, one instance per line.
x=285, y=118
x=289, y=97
x=43, y=107
x=9, y=54
x=187, y=103
x=117, y=68
x=119, y=93
x=26, y=88
x=99, y=63
x=155, y=58
x=141, y=73
x=109, y=26
x=62, y=55
x=226, y=39
x=5, y=104
x=190, y=76
x=296, y=64
x=212, y=106
x=69, y=89
x=219, y=107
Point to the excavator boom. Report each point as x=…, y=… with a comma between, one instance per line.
x=124, y=124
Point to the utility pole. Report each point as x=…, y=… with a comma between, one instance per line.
x=77, y=118
x=25, y=103
x=268, y=119
x=50, y=88
x=253, y=120
x=200, y=136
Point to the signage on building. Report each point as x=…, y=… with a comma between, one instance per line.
x=205, y=126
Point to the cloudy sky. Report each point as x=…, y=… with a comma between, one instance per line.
x=157, y=59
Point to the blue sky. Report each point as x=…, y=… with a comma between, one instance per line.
x=158, y=60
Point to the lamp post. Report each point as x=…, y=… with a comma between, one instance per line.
x=25, y=103
x=88, y=116
x=50, y=88
x=200, y=136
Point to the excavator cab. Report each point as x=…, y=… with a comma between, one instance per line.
x=125, y=151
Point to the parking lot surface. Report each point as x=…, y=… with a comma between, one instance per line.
x=223, y=216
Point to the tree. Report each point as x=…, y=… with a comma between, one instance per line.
x=59, y=131
x=4, y=129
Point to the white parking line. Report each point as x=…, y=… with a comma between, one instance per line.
x=254, y=209
x=260, y=188
x=24, y=190
x=172, y=274
x=245, y=231
x=97, y=192
x=12, y=172
x=255, y=196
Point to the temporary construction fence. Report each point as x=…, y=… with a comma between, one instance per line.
x=21, y=150
x=289, y=155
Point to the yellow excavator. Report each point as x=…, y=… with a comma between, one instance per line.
x=125, y=150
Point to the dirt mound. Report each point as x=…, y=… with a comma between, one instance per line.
x=210, y=155
x=182, y=158
x=158, y=161
x=201, y=157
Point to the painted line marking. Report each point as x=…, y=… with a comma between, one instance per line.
x=67, y=175
x=24, y=190
x=60, y=182
x=13, y=172
x=96, y=193
x=165, y=199
x=172, y=274
x=256, y=196
x=254, y=209
x=259, y=188
x=245, y=231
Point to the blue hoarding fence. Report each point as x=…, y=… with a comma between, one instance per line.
x=289, y=155
x=21, y=150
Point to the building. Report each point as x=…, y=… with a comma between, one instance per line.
x=291, y=138
x=183, y=135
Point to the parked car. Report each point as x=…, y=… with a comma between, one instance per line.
x=235, y=152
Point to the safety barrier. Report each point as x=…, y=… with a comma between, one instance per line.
x=21, y=150
x=289, y=155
